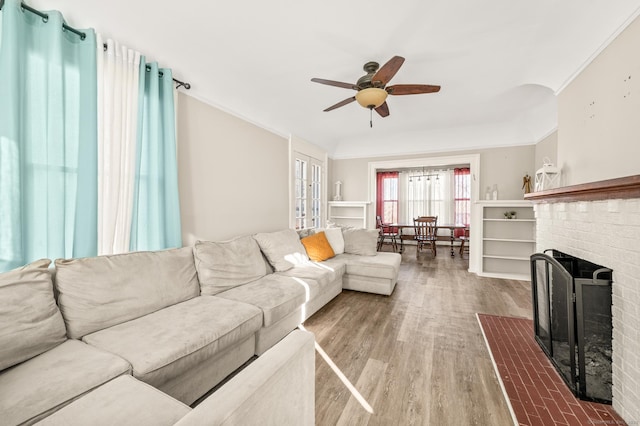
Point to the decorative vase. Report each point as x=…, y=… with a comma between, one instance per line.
x=338, y=196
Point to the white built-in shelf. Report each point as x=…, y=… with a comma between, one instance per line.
x=509, y=220
x=505, y=244
x=353, y=213
x=490, y=256
x=509, y=240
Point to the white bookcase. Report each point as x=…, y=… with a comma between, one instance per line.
x=353, y=213
x=505, y=244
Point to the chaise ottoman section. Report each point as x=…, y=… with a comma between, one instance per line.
x=176, y=348
x=123, y=400
x=42, y=385
x=372, y=274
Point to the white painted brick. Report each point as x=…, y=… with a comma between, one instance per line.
x=583, y=226
x=559, y=207
x=632, y=205
x=615, y=218
x=630, y=219
x=606, y=233
x=613, y=206
x=543, y=214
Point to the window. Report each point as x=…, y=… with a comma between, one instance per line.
x=429, y=193
x=404, y=195
x=387, y=197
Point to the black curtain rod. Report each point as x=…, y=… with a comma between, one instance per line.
x=82, y=36
x=178, y=82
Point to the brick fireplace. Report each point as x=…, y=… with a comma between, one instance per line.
x=600, y=222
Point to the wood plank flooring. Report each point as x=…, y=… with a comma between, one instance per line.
x=417, y=357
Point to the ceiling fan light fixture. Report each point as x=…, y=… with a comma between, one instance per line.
x=371, y=97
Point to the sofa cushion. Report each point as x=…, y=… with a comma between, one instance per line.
x=382, y=265
x=316, y=276
x=31, y=321
x=123, y=400
x=363, y=242
x=276, y=295
x=283, y=248
x=305, y=232
x=44, y=384
x=224, y=265
x=317, y=247
x=335, y=238
x=166, y=343
x=99, y=292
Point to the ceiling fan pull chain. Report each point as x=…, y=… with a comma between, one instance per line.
x=371, y=117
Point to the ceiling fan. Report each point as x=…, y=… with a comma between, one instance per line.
x=372, y=89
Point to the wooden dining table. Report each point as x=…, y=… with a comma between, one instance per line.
x=451, y=237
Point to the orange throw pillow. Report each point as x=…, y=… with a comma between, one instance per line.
x=318, y=247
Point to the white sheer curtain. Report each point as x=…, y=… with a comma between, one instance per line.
x=426, y=194
x=403, y=198
x=118, y=93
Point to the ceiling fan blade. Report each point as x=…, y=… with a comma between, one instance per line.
x=335, y=83
x=341, y=104
x=388, y=70
x=383, y=110
x=411, y=89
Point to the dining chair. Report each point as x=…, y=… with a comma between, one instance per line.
x=425, y=233
x=386, y=232
x=464, y=241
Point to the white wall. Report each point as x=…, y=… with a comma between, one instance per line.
x=599, y=115
x=506, y=167
x=547, y=148
x=502, y=166
x=233, y=175
x=598, y=139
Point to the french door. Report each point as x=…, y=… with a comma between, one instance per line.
x=308, y=185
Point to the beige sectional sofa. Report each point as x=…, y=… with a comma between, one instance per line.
x=178, y=322
x=276, y=389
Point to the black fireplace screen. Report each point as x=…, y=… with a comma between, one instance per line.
x=572, y=321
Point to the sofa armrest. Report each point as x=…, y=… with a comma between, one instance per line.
x=278, y=388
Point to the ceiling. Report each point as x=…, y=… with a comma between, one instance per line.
x=500, y=62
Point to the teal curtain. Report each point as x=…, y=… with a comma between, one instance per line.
x=156, y=211
x=48, y=139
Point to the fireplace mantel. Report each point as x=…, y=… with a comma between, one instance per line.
x=619, y=188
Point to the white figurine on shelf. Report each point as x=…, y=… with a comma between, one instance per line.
x=338, y=196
